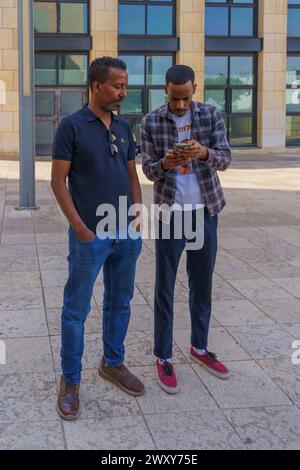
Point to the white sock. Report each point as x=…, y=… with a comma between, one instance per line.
x=199, y=351
x=161, y=361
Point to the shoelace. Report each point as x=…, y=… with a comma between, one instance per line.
x=167, y=368
x=212, y=355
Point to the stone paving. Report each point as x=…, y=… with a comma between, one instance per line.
x=256, y=318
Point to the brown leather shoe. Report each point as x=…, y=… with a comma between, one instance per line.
x=68, y=400
x=121, y=376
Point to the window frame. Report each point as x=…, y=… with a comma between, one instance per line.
x=147, y=3
x=291, y=6
x=145, y=87
x=57, y=54
x=288, y=142
x=58, y=33
x=231, y=4
x=228, y=87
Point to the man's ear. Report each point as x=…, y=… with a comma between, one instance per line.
x=195, y=88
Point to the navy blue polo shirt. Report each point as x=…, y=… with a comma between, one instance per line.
x=96, y=176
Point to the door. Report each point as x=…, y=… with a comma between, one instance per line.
x=51, y=105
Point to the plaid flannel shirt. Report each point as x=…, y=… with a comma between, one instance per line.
x=159, y=133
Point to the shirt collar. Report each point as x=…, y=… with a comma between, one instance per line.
x=90, y=116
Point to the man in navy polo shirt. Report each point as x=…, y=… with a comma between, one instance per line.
x=94, y=149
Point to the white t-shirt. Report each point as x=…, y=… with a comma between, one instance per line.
x=188, y=189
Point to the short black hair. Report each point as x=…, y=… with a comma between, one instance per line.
x=180, y=74
x=99, y=69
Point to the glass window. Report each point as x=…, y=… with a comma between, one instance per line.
x=72, y=70
x=156, y=69
x=132, y=19
x=215, y=98
x=293, y=100
x=146, y=19
x=241, y=22
x=73, y=18
x=157, y=98
x=135, y=68
x=216, y=70
x=45, y=17
x=240, y=130
x=241, y=71
x=293, y=130
x=44, y=131
x=216, y=21
x=45, y=69
x=159, y=20
x=292, y=70
x=58, y=17
x=233, y=97
x=294, y=22
x=44, y=103
x=230, y=17
x=70, y=101
x=241, y=101
x=133, y=102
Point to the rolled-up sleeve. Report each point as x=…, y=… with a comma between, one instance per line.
x=151, y=162
x=219, y=153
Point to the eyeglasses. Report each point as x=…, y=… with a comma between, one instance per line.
x=113, y=147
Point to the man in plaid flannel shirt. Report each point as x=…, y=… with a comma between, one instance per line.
x=188, y=176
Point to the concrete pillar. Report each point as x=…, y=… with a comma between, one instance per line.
x=190, y=29
x=271, y=106
x=9, y=96
x=104, y=28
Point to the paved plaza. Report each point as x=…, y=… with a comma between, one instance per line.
x=256, y=319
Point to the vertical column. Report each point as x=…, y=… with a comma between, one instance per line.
x=104, y=28
x=190, y=29
x=271, y=108
x=9, y=97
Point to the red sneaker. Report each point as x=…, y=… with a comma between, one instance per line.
x=210, y=362
x=166, y=376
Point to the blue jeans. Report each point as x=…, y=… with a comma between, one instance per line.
x=118, y=258
x=200, y=266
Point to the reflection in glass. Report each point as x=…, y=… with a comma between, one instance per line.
x=135, y=122
x=157, y=98
x=292, y=69
x=159, y=20
x=241, y=101
x=73, y=17
x=215, y=98
x=216, y=21
x=45, y=18
x=44, y=103
x=242, y=1
x=131, y=19
x=240, y=130
x=135, y=68
x=241, y=22
x=293, y=130
x=133, y=102
x=215, y=70
x=70, y=102
x=293, y=100
x=241, y=71
x=45, y=69
x=293, y=22
x=157, y=67
x=44, y=131
x=72, y=70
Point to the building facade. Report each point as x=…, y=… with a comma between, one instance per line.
x=245, y=53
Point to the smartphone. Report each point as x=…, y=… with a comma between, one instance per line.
x=178, y=146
